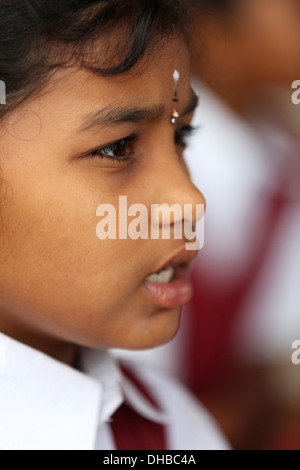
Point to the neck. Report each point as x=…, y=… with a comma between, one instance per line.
x=60, y=350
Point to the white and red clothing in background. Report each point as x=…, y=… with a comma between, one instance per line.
x=246, y=284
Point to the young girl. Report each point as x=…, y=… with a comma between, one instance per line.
x=98, y=105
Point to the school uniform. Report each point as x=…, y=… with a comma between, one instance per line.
x=47, y=405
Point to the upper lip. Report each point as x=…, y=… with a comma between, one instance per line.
x=183, y=257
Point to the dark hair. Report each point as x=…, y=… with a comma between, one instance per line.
x=39, y=36
x=213, y=4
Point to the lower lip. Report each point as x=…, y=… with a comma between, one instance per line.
x=174, y=294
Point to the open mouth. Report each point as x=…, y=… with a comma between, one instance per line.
x=171, y=287
x=163, y=277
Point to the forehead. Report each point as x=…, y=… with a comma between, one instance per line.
x=58, y=112
x=73, y=92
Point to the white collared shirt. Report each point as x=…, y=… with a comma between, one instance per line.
x=47, y=405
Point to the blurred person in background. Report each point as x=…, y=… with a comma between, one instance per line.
x=235, y=349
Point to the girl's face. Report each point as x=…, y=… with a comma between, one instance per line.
x=59, y=283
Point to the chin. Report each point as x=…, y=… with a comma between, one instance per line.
x=163, y=328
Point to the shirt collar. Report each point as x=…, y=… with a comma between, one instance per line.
x=45, y=404
x=117, y=387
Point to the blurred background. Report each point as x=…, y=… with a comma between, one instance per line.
x=235, y=343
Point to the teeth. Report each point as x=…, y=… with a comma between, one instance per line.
x=163, y=277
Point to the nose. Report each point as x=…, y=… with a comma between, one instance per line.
x=177, y=198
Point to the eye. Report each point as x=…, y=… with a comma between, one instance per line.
x=118, y=151
x=182, y=135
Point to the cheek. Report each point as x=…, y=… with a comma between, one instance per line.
x=55, y=268
x=66, y=282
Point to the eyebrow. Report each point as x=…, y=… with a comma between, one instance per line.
x=118, y=115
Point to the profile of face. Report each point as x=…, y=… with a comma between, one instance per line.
x=62, y=155
x=255, y=40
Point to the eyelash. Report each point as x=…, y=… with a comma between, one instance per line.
x=184, y=133
x=181, y=135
